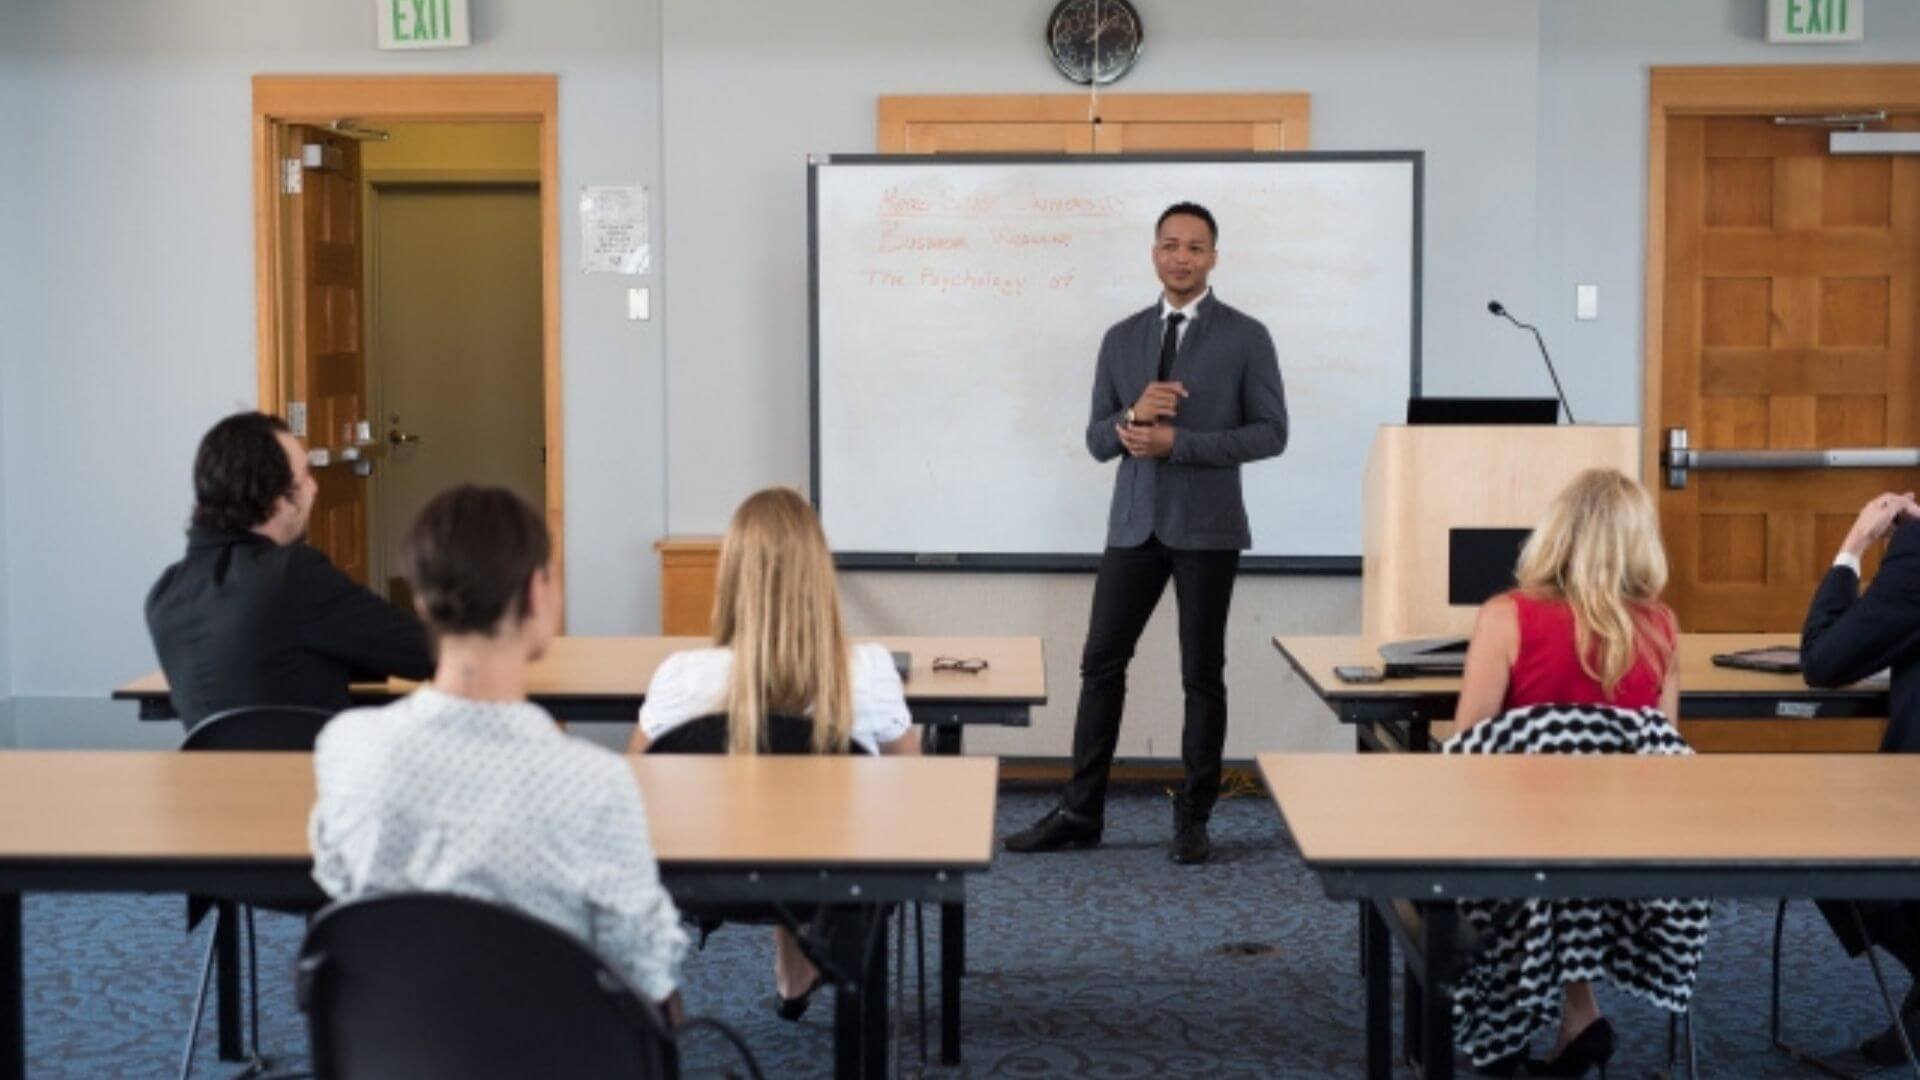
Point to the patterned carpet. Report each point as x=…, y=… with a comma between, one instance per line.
x=1111, y=963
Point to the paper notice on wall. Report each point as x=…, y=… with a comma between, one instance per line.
x=613, y=230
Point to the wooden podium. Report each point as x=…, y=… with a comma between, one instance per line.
x=1425, y=481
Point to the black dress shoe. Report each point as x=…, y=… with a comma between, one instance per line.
x=1190, y=845
x=1885, y=1048
x=1059, y=829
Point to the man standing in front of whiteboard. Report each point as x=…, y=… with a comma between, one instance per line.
x=1185, y=393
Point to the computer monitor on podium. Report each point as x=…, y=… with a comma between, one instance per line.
x=1482, y=410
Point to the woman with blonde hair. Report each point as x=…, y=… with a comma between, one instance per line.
x=1582, y=642
x=780, y=650
x=1586, y=625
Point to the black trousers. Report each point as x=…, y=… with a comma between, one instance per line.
x=1894, y=925
x=1125, y=592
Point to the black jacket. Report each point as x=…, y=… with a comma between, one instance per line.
x=1849, y=636
x=244, y=621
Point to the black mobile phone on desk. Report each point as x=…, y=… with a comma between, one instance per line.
x=1358, y=673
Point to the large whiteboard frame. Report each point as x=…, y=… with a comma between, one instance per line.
x=1069, y=562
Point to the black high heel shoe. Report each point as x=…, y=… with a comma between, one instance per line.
x=1592, y=1048
x=793, y=1008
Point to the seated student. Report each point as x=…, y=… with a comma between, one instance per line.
x=1849, y=636
x=1584, y=627
x=780, y=650
x=465, y=787
x=254, y=616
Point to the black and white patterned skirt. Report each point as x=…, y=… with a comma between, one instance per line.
x=1529, y=949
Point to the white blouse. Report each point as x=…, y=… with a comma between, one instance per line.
x=491, y=800
x=692, y=684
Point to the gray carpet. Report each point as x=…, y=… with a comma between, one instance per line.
x=1111, y=964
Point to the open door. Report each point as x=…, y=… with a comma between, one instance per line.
x=325, y=378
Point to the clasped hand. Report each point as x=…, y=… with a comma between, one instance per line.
x=1151, y=433
x=1878, y=518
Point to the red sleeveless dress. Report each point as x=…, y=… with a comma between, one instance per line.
x=1547, y=669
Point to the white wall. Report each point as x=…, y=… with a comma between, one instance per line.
x=1593, y=160
x=137, y=320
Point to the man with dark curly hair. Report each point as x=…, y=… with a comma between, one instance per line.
x=253, y=615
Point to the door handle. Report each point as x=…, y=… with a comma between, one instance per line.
x=1680, y=459
x=402, y=438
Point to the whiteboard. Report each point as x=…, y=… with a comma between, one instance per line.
x=957, y=310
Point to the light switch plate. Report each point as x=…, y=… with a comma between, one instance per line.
x=1586, y=302
x=639, y=303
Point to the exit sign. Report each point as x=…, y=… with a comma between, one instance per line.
x=1815, y=22
x=421, y=24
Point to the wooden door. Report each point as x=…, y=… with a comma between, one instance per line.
x=1792, y=280
x=327, y=371
x=1081, y=123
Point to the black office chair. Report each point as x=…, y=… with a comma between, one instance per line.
x=425, y=985
x=278, y=728
x=785, y=735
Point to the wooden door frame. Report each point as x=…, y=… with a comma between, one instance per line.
x=895, y=114
x=1735, y=91
x=280, y=100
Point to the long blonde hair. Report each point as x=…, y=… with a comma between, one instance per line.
x=776, y=605
x=1599, y=551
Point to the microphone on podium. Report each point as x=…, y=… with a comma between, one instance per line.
x=1497, y=308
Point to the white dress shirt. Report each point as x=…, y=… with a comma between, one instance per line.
x=491, y=800
x=1191, y=311
x=692, y=684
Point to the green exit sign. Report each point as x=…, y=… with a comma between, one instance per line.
x=1815, y=22
x=421, y=24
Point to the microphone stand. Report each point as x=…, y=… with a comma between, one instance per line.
x=1501, y=311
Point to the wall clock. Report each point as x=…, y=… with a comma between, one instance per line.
x=1094, y=41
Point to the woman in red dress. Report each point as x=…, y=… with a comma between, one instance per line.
x=1584, y=627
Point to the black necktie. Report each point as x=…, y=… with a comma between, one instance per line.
x=1170, y=344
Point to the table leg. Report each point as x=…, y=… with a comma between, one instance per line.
x=874, y=1019
x=953, y=959
x=226, y=949
x=844, y=944
x=1413, y=1016
x=1376, y=957
x=943, y=740
x=1436, y=1043
x=13, y=996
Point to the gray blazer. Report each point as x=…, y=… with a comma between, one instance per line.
x=1236, y=412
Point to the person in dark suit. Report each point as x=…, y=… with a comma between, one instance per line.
x=1848, y=636
x=1185, y=392
x=253, y=615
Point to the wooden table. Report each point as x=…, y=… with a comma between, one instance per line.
x=1826, y=826
x=604, y=680
x=584, y=680
x=1720, y=708
x=876, y=831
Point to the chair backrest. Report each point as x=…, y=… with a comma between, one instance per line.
x=429, y=985
x=289, y=728
x=1570, y=729
x=708, y=735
